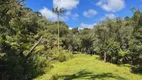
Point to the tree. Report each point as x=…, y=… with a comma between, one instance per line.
x=58, y=11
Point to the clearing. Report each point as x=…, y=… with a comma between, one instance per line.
x=86, y=67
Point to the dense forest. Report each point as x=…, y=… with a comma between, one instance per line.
x=29, y=43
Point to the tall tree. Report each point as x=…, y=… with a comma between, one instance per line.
x=58, y=11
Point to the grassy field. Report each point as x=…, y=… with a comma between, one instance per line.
x=86, y=67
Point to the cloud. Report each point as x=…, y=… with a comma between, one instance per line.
x=111, y=16
x=70, y=28
x=89, y=13
x=68, y=13
x=111, y=5
x=75, y=16
x=66, y=4
x=50, y=15
x=90, y=26
x=72, y=16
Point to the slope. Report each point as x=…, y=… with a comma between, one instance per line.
x=86, y=67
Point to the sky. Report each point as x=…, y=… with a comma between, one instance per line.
x=84, y=13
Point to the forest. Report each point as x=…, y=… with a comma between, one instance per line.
x=31, y=46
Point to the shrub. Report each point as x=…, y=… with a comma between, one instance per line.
x=64, y=55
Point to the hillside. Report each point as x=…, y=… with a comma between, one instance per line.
x=85, y=67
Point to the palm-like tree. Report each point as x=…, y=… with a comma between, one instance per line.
x=58, y=11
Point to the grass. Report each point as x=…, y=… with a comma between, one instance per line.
x=86, y=67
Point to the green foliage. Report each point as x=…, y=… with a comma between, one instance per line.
x=39, y=48
x=123, y=53
x=38, y=63
x=64, y=55
x=117, y=41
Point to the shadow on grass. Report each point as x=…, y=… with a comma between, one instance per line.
x=90, y=76
x=137, y=70
x=106, y=75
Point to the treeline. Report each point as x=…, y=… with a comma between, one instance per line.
x=116, y=40
x=29, y=42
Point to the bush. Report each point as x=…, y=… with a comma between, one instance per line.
x=16, y=69
x=64, y=55
x=38, y=63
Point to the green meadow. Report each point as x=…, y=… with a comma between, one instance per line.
x=86, y=67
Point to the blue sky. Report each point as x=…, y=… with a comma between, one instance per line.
x=84, y=13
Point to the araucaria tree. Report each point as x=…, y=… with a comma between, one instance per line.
x=58, y=11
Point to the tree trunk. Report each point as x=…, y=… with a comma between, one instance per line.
x=105, y=57
x=31, y=50
x=58, y=33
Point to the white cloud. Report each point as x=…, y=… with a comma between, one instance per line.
x=100, y=3
x=111, y=16
x=68, y=13
x=71, y=15
x=111, y=5
x=89, y=13
x=70, y=28
x=75, y=16
x=50, y=15
x=66, y=4
x=90, y=26
x=64, y=18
